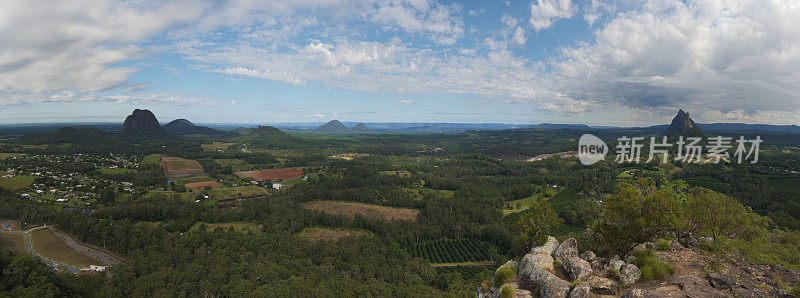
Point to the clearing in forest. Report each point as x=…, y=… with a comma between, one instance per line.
x=48, y=245
x=14, y=242
x=202, y=185
x=315, y=234
x=350, y=209
x=176, y=167
x=272, y=174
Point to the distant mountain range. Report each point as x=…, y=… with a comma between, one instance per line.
x=334, y=126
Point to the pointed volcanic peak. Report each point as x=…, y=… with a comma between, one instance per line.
x=334, y=126
x=186, y=127
x=141, y=121
x=683, y=124
x=360, y=127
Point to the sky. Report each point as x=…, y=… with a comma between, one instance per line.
x=596, y=62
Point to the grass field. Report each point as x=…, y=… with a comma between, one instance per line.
x=350, y=209
x=403, y=174
x=14, y=242
x=51, y=247
x=202, y=185
x=176, y=167
x=523, y=204
x=117, y=171
x=16, y=182
x=237, y=165
x=239, y=226
x=237, y=192
x=153, y=159
x=272, y=174
x=315, y=234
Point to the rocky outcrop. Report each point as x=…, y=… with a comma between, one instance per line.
x=588, y=256
x=566, y=250
x=629, y=274
x=548, y=247
x=577, y=268
x=139, y=121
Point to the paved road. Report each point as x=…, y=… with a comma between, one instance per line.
x=72, y=269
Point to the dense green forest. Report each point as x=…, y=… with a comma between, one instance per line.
x=458, y=184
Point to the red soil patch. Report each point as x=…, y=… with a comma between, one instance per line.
x=201, y=185
x=272, y=174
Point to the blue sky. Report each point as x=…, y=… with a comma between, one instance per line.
x=596, y=62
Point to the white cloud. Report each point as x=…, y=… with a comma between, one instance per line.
x=519, y=37
x=50, y=46
x=136, y=87
x=279, y=76
x=546, y=12
x=720, y=55
x=405, y=101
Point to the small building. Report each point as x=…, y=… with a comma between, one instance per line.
x=277, y=185
x=97, y=268
x=9, y=227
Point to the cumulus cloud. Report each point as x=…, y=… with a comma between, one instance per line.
x=50, y=46
x=709, y=54
x=546, y=12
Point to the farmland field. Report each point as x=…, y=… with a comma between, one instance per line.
x=315, y=234
x=216, y=146
x=176, y=167
x=523, y=204
x=463, y=251
x=350, y=209
x=272, y=174
x=153, y=159
x=237, y=192
x=186, y=196
x=202, y=185
x=49, y=246
x=16, y=182
x=14, y=242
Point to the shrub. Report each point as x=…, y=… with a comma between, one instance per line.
x=507, y=291
x=663, y=245
x=535, y=224
x=504, y=274
x=651, y=267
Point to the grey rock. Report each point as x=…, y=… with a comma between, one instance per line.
x=688, y=240
x=566, y=250
x=722, y=281
x=695, y=286
x=602, y=285
x=649, y=245
x=548, y=247
x=510, y=263
x=577, y=268
x=605, y=267
x=629, y=274
x=640, y=247
x=581, y=290
x=588, y=256
x=675, y=245
x=548, y=284
x=535, y=261
x=635, y=293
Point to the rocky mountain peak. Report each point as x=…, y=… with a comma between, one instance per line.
x=682, y=123
x=140, y=120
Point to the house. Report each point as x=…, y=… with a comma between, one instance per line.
x=277, y=185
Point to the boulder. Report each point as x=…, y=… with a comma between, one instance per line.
x=635, y=293
x=629, y=274
x=577, y=268
x=588, y=256
x=510, y=263
x=688, y=240
x=548, y=284
x=567, y=249
x=675, y=245
x=548, y=247
x=605, y=267
x=581, y=290
x=602, y=285
x=695, y=286
x=538, y=261
x=722, y=281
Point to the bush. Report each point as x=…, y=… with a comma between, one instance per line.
x=504, y=274
x=663, y=245
x=651, y=267
x=534, y=225
x=507, y=291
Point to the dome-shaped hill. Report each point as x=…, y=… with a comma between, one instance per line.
x=334, y=126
